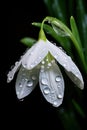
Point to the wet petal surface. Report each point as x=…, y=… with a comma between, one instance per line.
x=26, y=82
x=52, y=85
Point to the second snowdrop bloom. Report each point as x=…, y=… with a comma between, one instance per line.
x=39, y=63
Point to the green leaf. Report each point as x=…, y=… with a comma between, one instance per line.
x=75, y=30
x=81, y=14
x=28, y=41
x=68, y=119
x=78, y=108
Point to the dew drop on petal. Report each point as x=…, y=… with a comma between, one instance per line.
x=29, y=83
x=33, y=77
x=43, y=62
x=55, y=56
x=9, y=79
x=20, y=85
x=46, y=90
x=48, y=67
x=58, y=79
x=39, y=57
x=32, y=65
x=12, y=67
x=49, y=64
x=53, y=61
x=42, y=67
x=55, y=103
x=60, y=96
x=17, y=92
x=46, y=59
x=16, y=63
x=64, y=65
x=58, y=86
x=42, y=70
x=73, y=68
x=44, y=81
x=31, y=53
x=77, y=75
x=36, y=62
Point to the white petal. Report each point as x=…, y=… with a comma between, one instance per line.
x=27, y=54
x=26, y=82
x=35, y=55
x=52, y=85
x=70, y=67
x=11, y=73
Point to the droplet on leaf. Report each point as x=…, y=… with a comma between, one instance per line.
x=46, y=90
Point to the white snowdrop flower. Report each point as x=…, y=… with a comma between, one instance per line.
x=39, y=64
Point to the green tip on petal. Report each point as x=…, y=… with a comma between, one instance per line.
x=42, y=35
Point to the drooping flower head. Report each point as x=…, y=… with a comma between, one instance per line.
x=40, y=64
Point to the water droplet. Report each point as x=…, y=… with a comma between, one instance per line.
x=33, y=77
x=44, y=81
x=48, y=67
x=62, y=49
x=42, y=66
x=49, y=64
x=40, y=58
x=46, y=59
x=42, y=70
x=60, y=96
x=55, y=56
x=46, y=90
x=73, y=68
x=55, y=103
x=64, y=65
x=36, y=62
x=21, y=57
x=31, y=53
x=69, y=57
x=58, y=86
x=18, y=93
x=20, y=85
x=16, y=63
x=29, y=83
x=32, y=65
x=43, y=62
x=65, y=58
x=12, y=67
x=53, y=61
x=9, y=79
x=77, y=75
x=58, y=79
